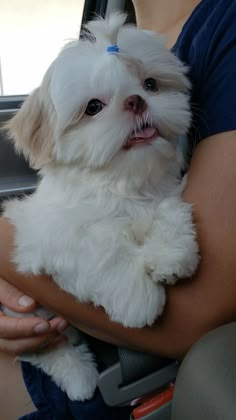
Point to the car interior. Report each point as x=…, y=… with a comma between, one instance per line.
x=203, y=385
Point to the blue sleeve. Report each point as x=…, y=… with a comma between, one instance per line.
x=215, y=90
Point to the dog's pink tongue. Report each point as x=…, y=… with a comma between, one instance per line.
x=146, y=133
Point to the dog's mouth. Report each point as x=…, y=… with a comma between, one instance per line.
x=140, y=137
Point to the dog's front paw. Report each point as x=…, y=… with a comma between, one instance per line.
x=157, y=276
x=139, y=304
x=171, y=251
x=168, y=269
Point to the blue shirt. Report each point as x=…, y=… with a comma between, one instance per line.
x=207, y=44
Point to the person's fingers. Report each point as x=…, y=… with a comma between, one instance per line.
x=11, y=327
x=31, y=344
x=22, y=327
x=14, y=299
x=58, y=324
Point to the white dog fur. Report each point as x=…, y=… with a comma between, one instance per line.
x=107, y=221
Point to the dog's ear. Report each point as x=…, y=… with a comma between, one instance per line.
x=31, y=130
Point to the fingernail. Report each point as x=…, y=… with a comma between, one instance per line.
x=25, y=301
x=41, y=328
x=62, y=326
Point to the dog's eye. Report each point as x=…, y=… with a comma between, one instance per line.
x=94, y=107
x=151, y=84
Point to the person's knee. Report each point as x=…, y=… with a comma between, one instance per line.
x=207, y=380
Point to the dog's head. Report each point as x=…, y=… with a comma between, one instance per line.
x=109, y=98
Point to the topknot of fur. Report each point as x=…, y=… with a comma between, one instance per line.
x=104, y=31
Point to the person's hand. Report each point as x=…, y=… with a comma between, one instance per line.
x=20, y=335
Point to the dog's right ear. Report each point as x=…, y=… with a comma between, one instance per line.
x=31, y=130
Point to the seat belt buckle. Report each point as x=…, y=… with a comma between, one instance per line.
x=151, y=403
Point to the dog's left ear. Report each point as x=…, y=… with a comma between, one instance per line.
x=31, y=130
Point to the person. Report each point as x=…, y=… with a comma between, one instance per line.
x=203, y=34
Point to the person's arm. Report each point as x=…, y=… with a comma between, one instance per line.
x=193, y=307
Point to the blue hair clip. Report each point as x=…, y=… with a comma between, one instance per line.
x=113, y=49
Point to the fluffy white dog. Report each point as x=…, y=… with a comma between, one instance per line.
x=107, y=220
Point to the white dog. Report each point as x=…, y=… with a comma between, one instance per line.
x=107, y=220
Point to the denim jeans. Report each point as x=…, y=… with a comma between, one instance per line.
x=53, y=404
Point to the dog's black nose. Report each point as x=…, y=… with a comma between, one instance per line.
x=135, y=103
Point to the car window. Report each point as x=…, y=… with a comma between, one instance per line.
x=31, y=35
